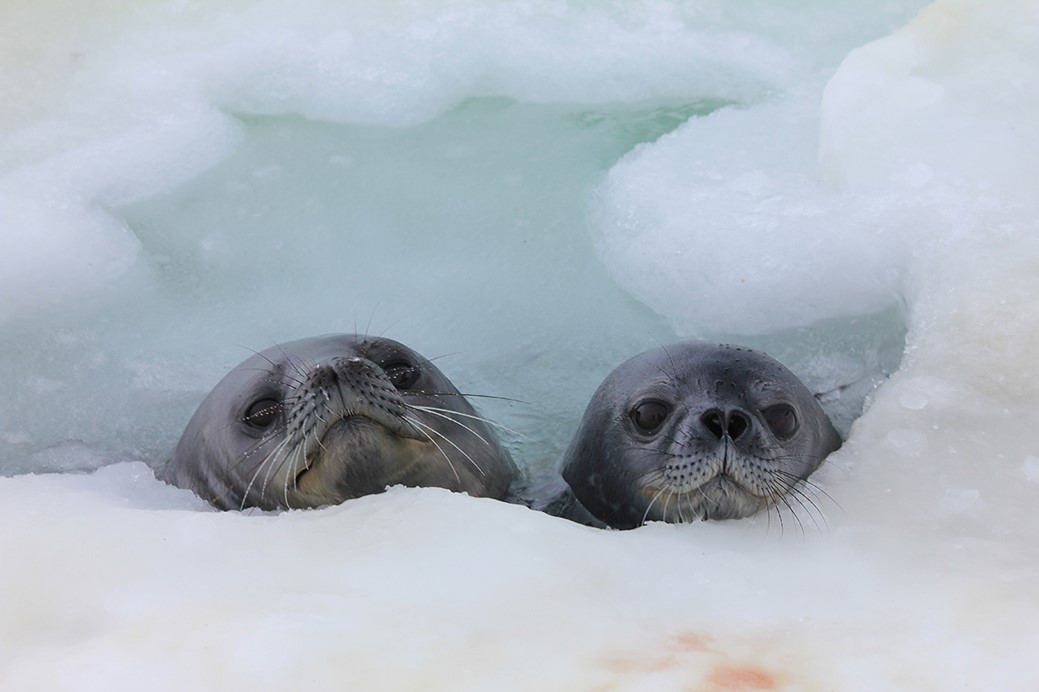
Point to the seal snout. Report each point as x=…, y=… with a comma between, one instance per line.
x=353, y=386
x=721, y=423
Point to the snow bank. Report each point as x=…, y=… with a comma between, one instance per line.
x=180, y=182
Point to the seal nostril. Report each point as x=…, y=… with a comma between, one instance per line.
x=722, y=423
x=737, y=424
x=712, y=420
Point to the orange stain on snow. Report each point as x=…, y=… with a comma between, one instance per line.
x=696, y=655
x=741, y=678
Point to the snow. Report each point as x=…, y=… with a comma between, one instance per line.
x=849, y=186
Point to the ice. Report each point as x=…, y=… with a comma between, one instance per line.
x=530, y=192
x=1031, y=468
x=761, y=246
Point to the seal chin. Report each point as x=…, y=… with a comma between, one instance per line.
x=721, y=497
x=359, y=455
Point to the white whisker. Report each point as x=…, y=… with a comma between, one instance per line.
x=446, y=439
x=458, y=423
x=488, y=421
x=441, y=449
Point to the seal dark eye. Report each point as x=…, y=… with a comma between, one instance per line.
x=262, y=413
x=650, y=415
x=781, y=420
x=401, y=374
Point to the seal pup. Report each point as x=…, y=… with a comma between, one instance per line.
x=318, y=421
x=695, y=430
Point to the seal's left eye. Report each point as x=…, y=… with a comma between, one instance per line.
x=650, y=415
x=262, y=413
x=781, y=420
x=401, y=374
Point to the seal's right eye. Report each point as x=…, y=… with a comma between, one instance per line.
x=262, y=413
x=782, y=420
x=650, y=415
x=402, y=375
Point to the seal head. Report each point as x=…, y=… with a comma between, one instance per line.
x=322, y=420
x=695, y=430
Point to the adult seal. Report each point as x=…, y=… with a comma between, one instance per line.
x=322, y=420
x=691, y=431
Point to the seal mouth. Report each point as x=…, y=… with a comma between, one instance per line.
x=724, y=482
x=350, y=424
x=358, y=422
x=354, y=425
x=726, y=497
x=721, y=496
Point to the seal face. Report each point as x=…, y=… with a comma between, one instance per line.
x=322, y=420
x=695, y=430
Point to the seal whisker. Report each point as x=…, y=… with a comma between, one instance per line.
x=681, y=514
x=650, y=479
x=295, y=471
x=440, y=357
x=786, y=502
x=442, y=452
x=255, y=475
x=811, y=458
x=371, y=316
x=469, y=395
x=256, y=447
x=709, y=500
x=270, y=362
x=799, y=496
x=288, y=359
x=809, y=485
x=658, y=452
x=692, y=507
x=682, y=498
x=672, y=440
x=667, y=503
x=673, y=375
x=274, y=462
x=300, y=463
x=650, y=506
x=768, y=513
x=448, y=418
x=292, y=461
x=445, y=438
x=670, y=377
x=768, y=519
x=473, y=417
x=288, y=378
x=779, y=515
x=294, y=443
x=802, y=490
